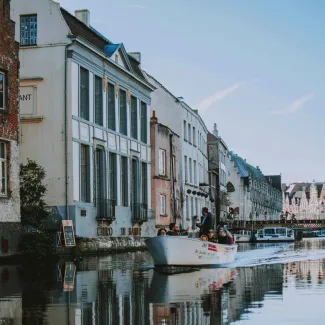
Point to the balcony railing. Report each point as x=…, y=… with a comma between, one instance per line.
x=139, y=211
x=105, y=209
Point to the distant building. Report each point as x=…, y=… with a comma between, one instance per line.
x=85, y=118
x=304, y=200
x=191, y=189
x=217, y=153
x=9, y=134
x=255, y=196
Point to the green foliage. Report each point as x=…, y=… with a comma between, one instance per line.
x=36, y=239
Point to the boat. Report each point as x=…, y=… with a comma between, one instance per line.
x=275, y=234
x=242, y=235
x=190, y=286
x=183, y=251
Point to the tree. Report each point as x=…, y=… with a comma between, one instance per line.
x=36, y=240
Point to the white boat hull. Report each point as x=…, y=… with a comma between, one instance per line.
x=267, y=239
x=183, y=251
x=242, y=239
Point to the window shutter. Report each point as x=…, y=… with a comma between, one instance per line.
x=160, y=163
x=160, y=203
x=164, y=204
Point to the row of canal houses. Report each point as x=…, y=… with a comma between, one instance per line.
x=122, y=154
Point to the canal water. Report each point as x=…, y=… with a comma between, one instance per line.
x=267, y=284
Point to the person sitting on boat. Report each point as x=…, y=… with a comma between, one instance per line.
x=204, y=238
x=212, y=239
x=224, y=237
x=206, y=222
x=162, y=232
x=174, y=230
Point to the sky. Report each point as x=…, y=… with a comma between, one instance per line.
x=255, y=68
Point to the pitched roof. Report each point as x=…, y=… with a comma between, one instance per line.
x=94, y=37
x=244, y=169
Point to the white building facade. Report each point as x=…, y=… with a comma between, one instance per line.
x=254, y=196
x=85, y=120
x=192, y=162
x=194, y=169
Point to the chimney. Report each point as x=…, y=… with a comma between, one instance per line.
x=153, y=119
x=83, y=15
x=136, y=55
x=215, y=130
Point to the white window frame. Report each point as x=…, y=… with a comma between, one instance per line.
x=162, y=162
x=3, y=164
x=3, y=108
x=162, y=204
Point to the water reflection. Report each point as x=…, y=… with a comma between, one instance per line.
x=114, y=290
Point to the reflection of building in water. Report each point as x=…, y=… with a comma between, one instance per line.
x=10, y=296
x=251, y=287
x=311, y=271
x=104, y=292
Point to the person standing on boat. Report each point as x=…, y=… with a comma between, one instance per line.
x=174, y=230
x=206, y=222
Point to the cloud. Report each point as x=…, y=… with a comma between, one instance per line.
x=209, y=101
x=137, y=6
x=295, y=105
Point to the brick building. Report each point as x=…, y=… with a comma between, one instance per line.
x=9, y=125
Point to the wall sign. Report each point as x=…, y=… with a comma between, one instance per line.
x=27, y=100
x=68, y=233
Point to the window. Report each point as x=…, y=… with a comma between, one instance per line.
x=2, y=91
x=162, y=162
x=3, y=169
x=144, y=122
x=190, y=169
x=185, y=131
x=111, y=123
x=124, y=181
x=174, y=168
x=112, y=176
x=187, y=207
x=123, y=112
x=189, y=130
x=134, y=117
x=84, y=94
x=194, y=136
x=162, y=205
x=98, y=101
x=185, y=168
x=28, y=30
x=194, y=172
x=85, y=173
x=144, y=183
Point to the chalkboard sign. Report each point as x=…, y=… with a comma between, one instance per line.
x=69, y=275
x=68, y=233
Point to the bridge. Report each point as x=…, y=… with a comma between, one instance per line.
x=305, y=224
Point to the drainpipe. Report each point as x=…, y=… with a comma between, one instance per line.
x=172, y=173
x=66, y=131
